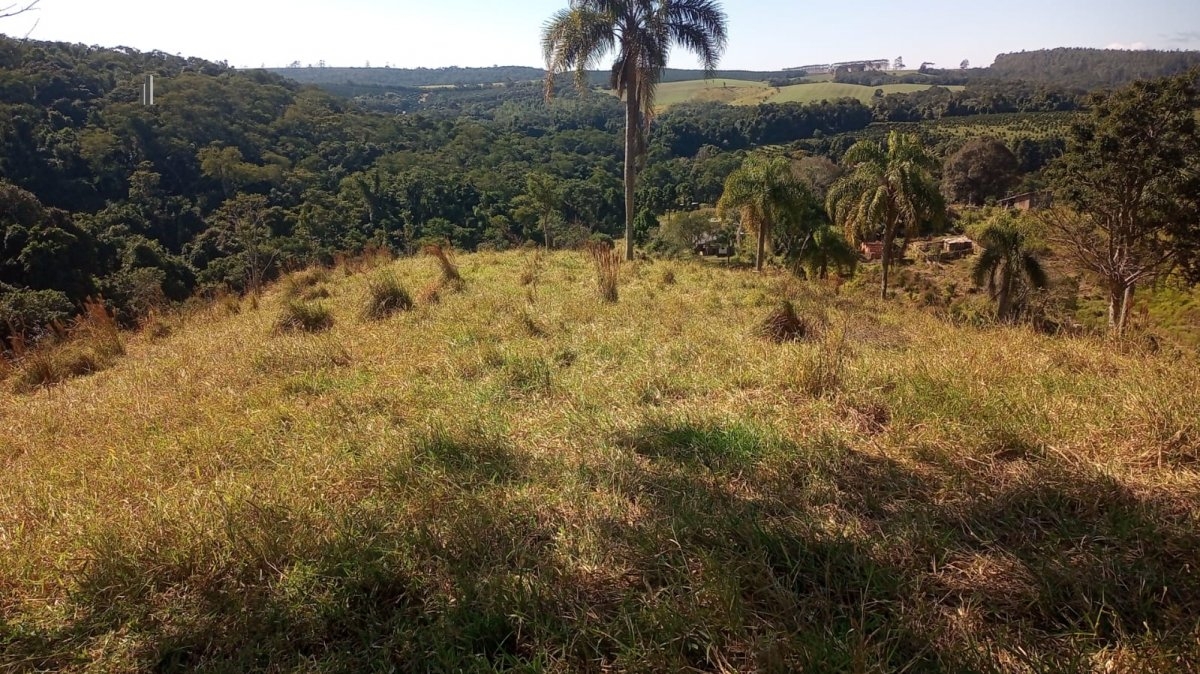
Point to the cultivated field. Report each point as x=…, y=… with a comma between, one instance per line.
x=515, y=475
x=743, y=92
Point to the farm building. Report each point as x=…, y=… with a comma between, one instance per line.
x=713, y=245
x=1029, y=201
x=956, y=247
x=873, y=250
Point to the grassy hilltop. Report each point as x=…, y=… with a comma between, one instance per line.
x=516, y=475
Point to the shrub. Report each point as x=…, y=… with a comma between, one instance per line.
x=608, y=271
x=668, y=277
x=30, y=311
x=302, y=317
x=386, y=296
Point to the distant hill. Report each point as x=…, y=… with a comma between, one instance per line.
x=1068, y=68
x=425, y=77
x=1091, y=68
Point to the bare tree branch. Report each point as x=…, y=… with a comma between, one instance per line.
x=16, y=8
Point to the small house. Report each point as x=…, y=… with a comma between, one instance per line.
x=956, y=247
x=1028, y=201
x=873, y=250
x=712, y=245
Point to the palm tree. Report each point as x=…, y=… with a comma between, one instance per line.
x=885, y=192
x=767, y=194
x=1006, y=265
x=640, y=34
x=826, y=248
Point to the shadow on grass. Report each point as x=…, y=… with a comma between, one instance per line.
x=738, y=550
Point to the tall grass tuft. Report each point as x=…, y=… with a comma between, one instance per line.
x=385, y=297
x=783, y=325
x=299, y=284
x=371, y=257
x=93, y=343
x=608, y=270
x=430, y=295
x=445, y=259
x=303, y=317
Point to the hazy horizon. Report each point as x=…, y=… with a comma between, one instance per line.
x=771, y=35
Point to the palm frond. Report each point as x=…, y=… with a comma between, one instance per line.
x=1034, y=271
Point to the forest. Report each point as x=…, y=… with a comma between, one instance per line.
x=233, y=177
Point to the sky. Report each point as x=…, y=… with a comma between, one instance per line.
x=763, y=34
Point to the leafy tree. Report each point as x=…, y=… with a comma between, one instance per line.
x=640, y=33
x=678, y=232
x=1007, y=266
x=898, y=64
x=1129, y=176
x=543, y=198
x=237, y=249
x=767, y=195
x=886, y=192
x=964, y=65
x=982, y=168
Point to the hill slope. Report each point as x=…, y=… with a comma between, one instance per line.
x=520, y=475
x=421, y=77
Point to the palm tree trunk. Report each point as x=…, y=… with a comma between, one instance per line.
x=1004, y=298
x=886, y=261
x=762, y=247
x=631, y=130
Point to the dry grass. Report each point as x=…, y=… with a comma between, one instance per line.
x=303, y=317
x=92, y=344
x=444, y=255
x=636, y=488
x=608, y=270
x=300, y=284
x=385, y=297
x=783, y=325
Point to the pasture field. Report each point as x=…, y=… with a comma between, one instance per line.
x=743, y=92
x=514, y=475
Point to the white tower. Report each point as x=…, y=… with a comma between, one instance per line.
x=148, y=90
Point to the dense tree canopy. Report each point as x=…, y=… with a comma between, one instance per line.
x=983, y=168
x=1129, y=173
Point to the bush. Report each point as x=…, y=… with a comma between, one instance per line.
x=302, y=317
x=386, y=296
x=29, y=312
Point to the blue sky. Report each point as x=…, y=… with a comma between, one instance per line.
x=764, y=34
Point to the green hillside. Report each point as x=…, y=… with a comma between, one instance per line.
x=421, y=77
x=810, y=93
x=515, y=476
